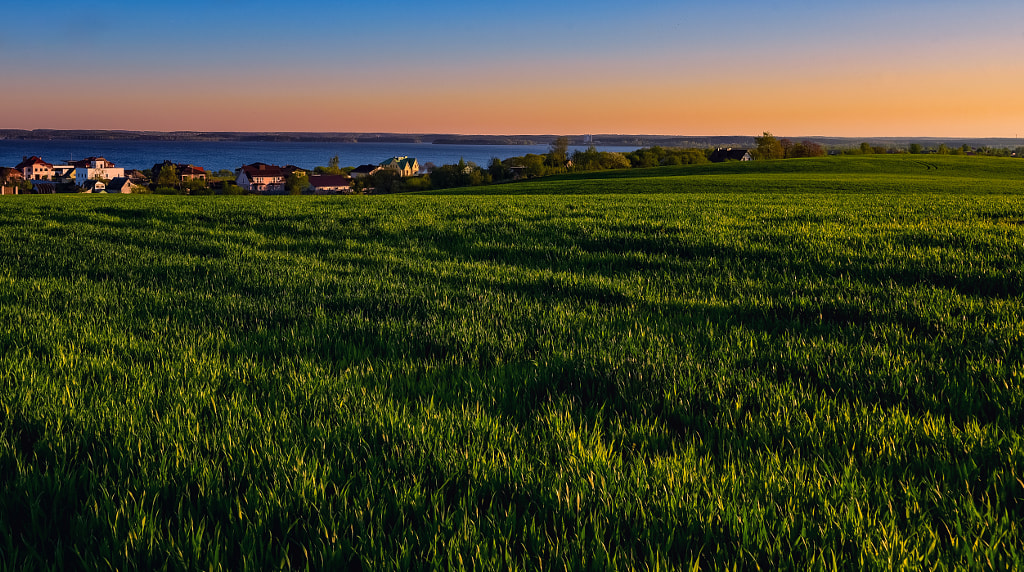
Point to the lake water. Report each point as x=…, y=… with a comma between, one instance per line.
x=231, y=155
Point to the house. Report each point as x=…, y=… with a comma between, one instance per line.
x=405, y=166
x=517, y=172
x=290, y=170
x=330, y=184
x=9, y=180
x=261, y=178
x=35, y=169
x=95, y=168
x=722, y=155
x=122, y=185
x=363, y=171
x=137, y=177
x=183, y=173
x=64, y=173
x=189, y=173
x=92, y=186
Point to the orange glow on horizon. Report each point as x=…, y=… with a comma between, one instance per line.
x=854, y=100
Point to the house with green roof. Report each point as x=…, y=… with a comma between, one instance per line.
x=405, y=166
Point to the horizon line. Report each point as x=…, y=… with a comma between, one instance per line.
x=454, y=134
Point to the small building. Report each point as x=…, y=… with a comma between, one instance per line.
x=189, y=173
x=122, y=185
x=290, y=170
x=405, y=166
x=93, y=186
x=722, y=155
x=35, y=169
x=183, y=173
x=330, y=184
x=517, y=172
x=137, y=177
x=64, y=173
x=261, y=178
x=9, y=180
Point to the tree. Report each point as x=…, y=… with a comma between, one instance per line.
x=497, y=170
x=168, y=176
x=230, y=188
x=532, y=164
x=198, y=187
x=768, y=147
x=787, y=148
x=385, y=181
x=558, y=153
x=611, y=160
x=943, y=150
x=915, y=148
x=865, y=148
x=589, y=160
x=296, y=183
x=805, y=149
x=332, y=167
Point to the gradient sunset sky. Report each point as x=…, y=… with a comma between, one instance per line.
x=864, y=68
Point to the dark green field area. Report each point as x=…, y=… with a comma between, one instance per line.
x=798, y=364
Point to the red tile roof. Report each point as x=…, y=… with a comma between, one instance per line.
x=263, y=170
x=7, y=174
x=33, y=160
x=321, y=181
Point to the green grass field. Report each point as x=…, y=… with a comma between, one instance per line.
x=800, y=364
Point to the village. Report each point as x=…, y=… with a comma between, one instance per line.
x=35, y=175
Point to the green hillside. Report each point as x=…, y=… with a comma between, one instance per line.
x=801, y=364
x=862, y=174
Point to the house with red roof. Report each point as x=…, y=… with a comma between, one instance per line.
x=190, y=173
x=35, y=169
x=330, y=184
x=261, y=178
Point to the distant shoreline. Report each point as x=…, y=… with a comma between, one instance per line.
x=453, y=139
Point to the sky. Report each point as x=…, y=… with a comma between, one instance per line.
x=933, y=68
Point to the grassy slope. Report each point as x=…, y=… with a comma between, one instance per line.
x=740, y=376
x=862, y=174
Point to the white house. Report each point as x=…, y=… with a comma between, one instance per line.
x=96, y=168
x=35, y=169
